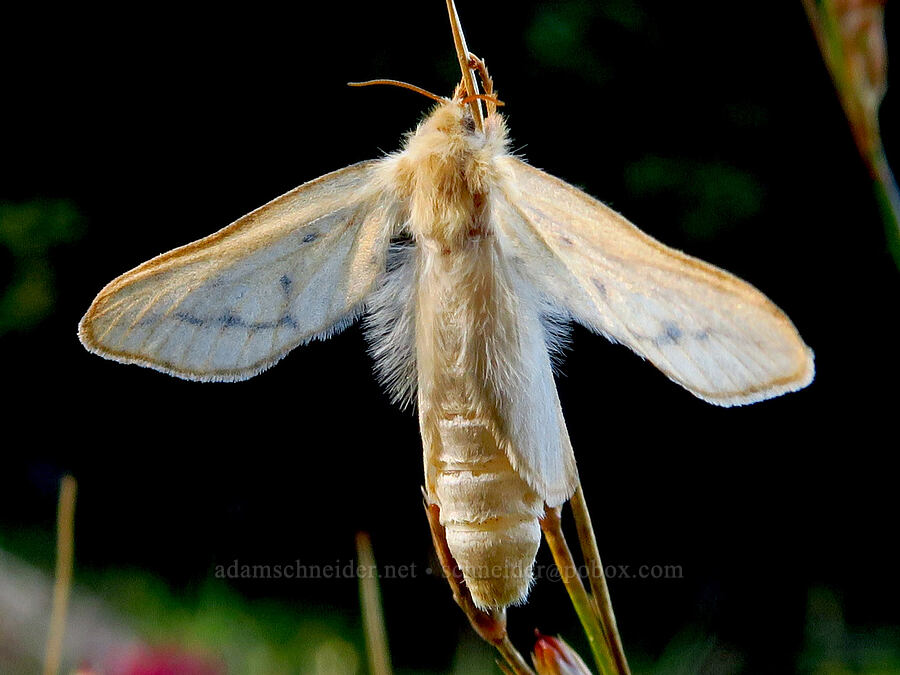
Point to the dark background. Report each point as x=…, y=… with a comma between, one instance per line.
x=714, y=126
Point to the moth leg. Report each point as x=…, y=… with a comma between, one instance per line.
x=487, y=82
x=459, y=93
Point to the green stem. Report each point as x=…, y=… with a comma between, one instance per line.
x=888, y=197
x=597, y=579
x=581, y=601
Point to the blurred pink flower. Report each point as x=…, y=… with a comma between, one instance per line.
x=163, y=661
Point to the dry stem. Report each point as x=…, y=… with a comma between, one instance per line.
x=65, y=548
x=373, y=617
x=462, y=52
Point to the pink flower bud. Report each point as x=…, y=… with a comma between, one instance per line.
x=553, y=656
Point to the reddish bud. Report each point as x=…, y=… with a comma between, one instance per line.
x=553, y=656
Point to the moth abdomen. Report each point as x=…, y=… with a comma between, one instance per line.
x=489, y=512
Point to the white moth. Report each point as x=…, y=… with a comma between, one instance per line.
x=462, y=317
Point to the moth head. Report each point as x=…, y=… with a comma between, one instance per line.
x=453, y=119
x=450, y=117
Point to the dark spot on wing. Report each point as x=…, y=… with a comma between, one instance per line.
x=310, y=237
x=702, y=335
x=600, y=286
x=229, y=320
x=189, y=319
x=149, y=319
x=564, y=239
x=286, y=284
x=288, y=320
x=671, y=334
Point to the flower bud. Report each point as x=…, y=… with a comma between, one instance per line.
x=553, y=656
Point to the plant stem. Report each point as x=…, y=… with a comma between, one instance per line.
x=552, y=527
x=597, y=579
x=370, y=599
x=65, y=549
x=512, y=656
x=860, y=104
x=462, y=53
x=888, y=196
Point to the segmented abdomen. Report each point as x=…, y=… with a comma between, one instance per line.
x=489, y=512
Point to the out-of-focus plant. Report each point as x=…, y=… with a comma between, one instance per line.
x=28, y=231
x=832, y=647
x=162, y=661
x=560, y=34
x=851, y=36
x=707, y=195
x=370, y=604
x=65, y=547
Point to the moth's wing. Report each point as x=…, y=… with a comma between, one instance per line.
x=539, y=448
x=230, y=305
x=707, y=330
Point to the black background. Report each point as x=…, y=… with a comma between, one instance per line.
x=163, y=123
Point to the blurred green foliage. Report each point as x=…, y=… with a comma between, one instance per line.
x=691, y=652
x=28, y=233
x=271, y=637
x=262, y=636
x=703, y=196
x=254, y=636
x=558, y=38
x=832, y=647
x=560, y=34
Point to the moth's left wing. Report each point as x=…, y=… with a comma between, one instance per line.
x=710, y=332
x=230, y=305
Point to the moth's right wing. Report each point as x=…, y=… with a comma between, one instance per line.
x=710, y=332
x=230, y=305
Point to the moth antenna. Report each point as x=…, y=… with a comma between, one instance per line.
x=462, y=52
x=404, y=85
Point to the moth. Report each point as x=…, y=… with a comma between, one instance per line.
x=467, y=264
